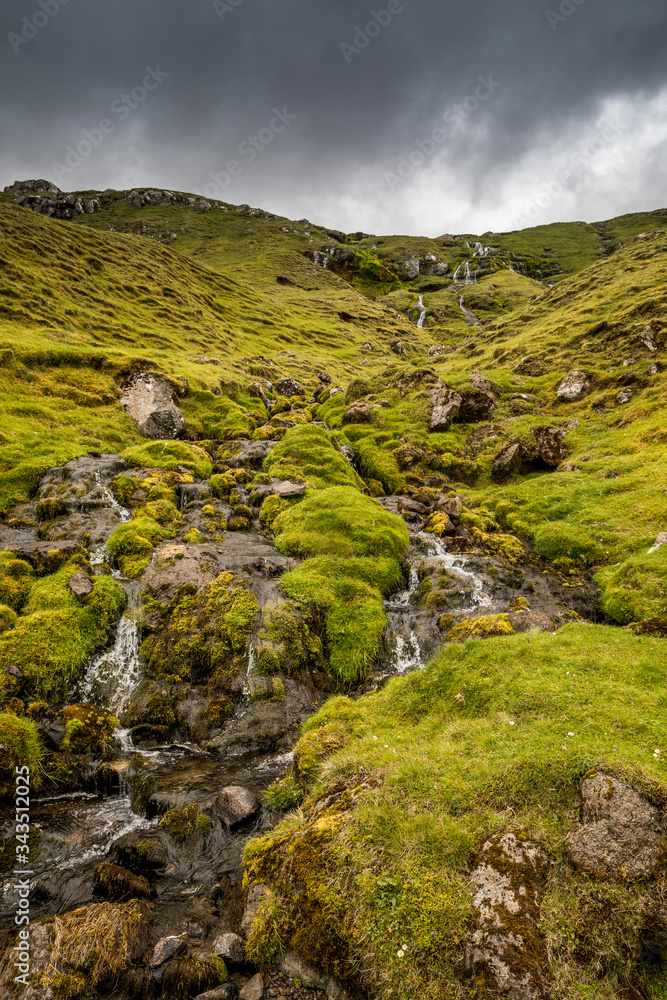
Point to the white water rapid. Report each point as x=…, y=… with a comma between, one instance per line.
x=421, y=322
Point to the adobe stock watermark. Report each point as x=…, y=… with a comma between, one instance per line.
x=553, y=189
x=455, y=114
x=248, y=151
x=363, y=36
x=565, y=10
x=122, y=108
x=224, y=7
x=22, y=871
x=31, y=26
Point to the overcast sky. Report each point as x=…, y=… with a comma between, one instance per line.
x=400, y=116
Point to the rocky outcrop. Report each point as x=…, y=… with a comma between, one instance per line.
x=289, y=387
x=507, y=462
x=476, y=405
x=446, y=405
x=550, y=444
x=506, y=947
x=621, y=834
x=575, y=386
x=547, y=447
x=359, y=413
x=149, y=400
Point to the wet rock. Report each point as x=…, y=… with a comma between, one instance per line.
x=575, y=386
x=529, y=621
x=149, y=400
x=506, y=947
x=141, y=852
x=622, y=834
x=231, y=947
x=255, y=895
x=550, y=444
x=192, y=493
x=46, y=557
x=166, y=949
x=149, y=736
x=476, y=405
x=507, y=462
x=291, y=966
x=253, y=989
x=81, y=585
x=446, y=407
x=289, y=387
x=245, y=454
x=358, y=413
x=452, y=506
x=234, y=806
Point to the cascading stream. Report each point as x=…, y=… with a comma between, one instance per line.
x=421, y=322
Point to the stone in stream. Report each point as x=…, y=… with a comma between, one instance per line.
x=114, y=882
x=622, y=835
x=255, y=895
x=149, y=400
x=226, y=991
x=294, y=968
x=234, y=805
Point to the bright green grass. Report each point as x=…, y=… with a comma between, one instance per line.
x=538, y=712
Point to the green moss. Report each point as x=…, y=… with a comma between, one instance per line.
x=20, y=744
x=307, y=453
x=272, y=508
x=16, y=579
x=170, y=455
x=222, y=484
x=193, y=536
x=50, y=508
x=379, y=853
x=56, y=633
x=283, y=794
x=556, y=540
x=218, y=711
x=480, y=628
x=288, y=640
x=89, y=729
x=185, y=822
x=205, y=633
x=131, y=544
x=8, y=618
x=160, y=710
x=636, y=588
x=117, y=883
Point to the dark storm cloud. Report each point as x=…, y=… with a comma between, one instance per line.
x=363, y=85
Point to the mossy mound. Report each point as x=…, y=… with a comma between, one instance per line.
x=89, y=729
x=20, y=746
x=636, y=589
x=289, y=639
x=480, y=628
x=131, y=544
x=170, y=455
x=205, y=633
x=119, y=884
x=16, y=579
x=185, y=822
x=376, y=861
x=307, y=453
x=140, y=854
x=56, y=633
x=652, y=626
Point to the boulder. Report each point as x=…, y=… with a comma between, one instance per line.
x=46, y=557
x=621, y=833
x=624, y=396
x=191, y=492
x=481, y=382
x=324, y=378
x=411, y=267
x=227, y=991
x=529, y=621
x=476, y=405
x=550, y=444
x=438, y=270
x=289, y=387
x=81, y=585
x=235, y=805
x=258, y=390
x=524, y=396
x=166, y=949
x=435, y=350
x=397, y=347
x=231, y=947
x=506, y=948
x=358, y=413
x=245, y=454
x=446, y=408
x=507, y=462
x=575, y=386
x=253, y=989
x=452, y=506
x=149, y=400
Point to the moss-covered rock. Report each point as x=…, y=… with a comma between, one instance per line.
x=131, y=544
x=89, y=729
x=187, y=977
x=480, y=628
x=205, y=632
x=119, y=884
x=307, y=453
x=8, y=618
x=16, y=579
x=185, y=822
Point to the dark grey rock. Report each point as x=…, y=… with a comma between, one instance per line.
x=81, y=585
x=231, y=947
x=234, y=806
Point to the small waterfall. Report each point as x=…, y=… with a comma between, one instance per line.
x=107, y=499
x=470, y=317
x=456, y=564
x=113, y=676
x=250, y=672
x=407, y=653
x=421, y=322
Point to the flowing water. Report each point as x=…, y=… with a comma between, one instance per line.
x=421, y=322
